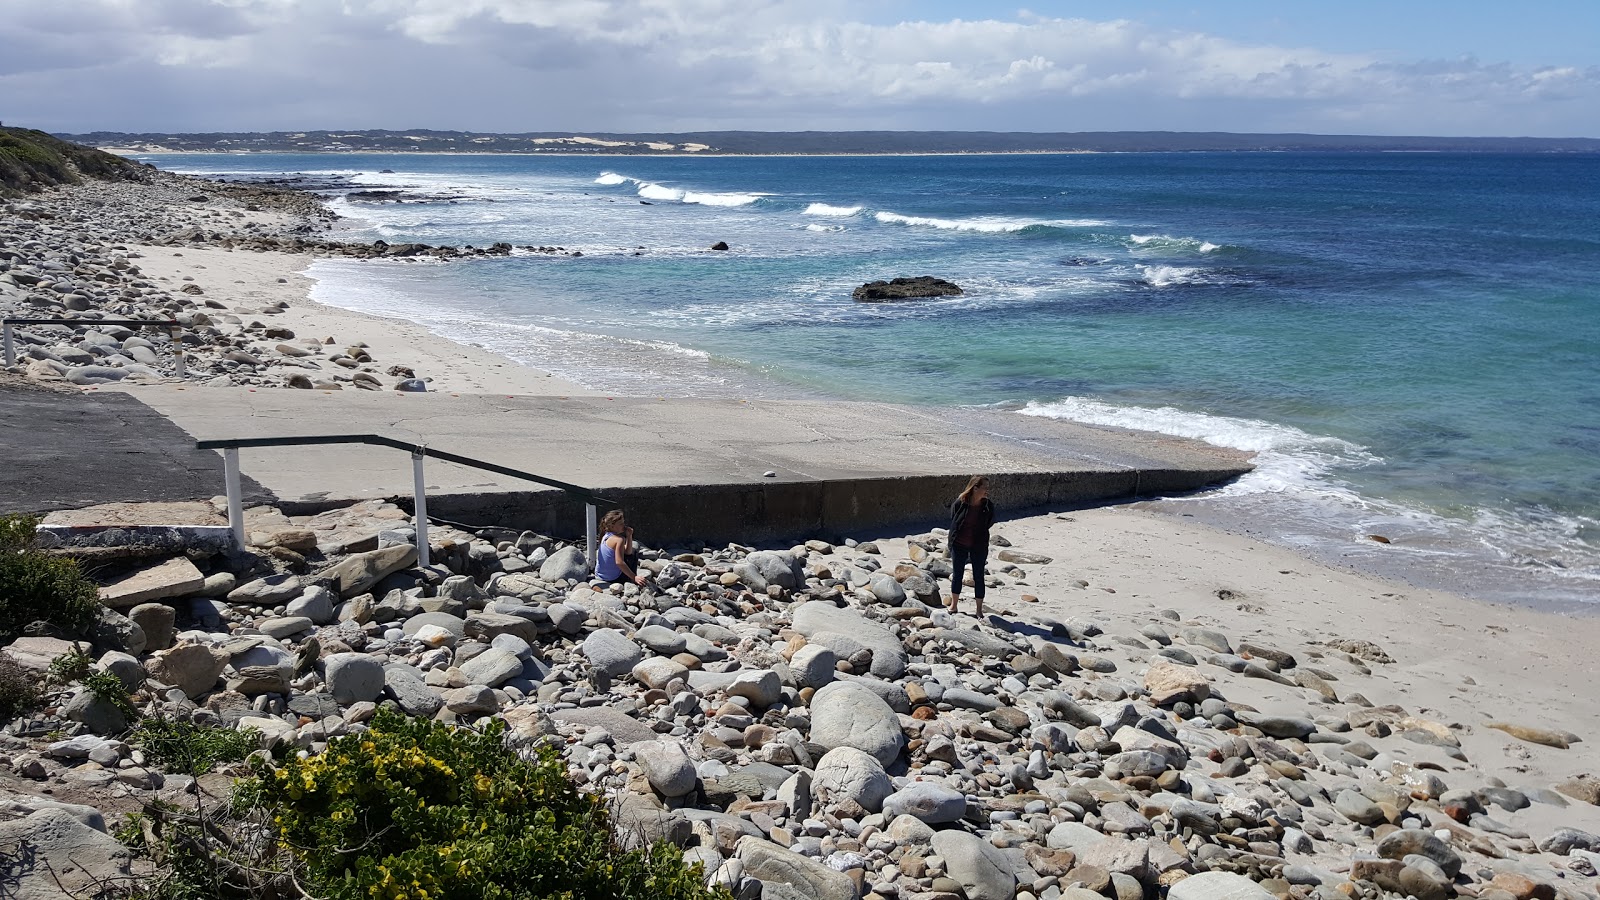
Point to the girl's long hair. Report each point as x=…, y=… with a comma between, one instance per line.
x=978, y=481
x=611, y=522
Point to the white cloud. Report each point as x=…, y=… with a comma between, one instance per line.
x=685, y=64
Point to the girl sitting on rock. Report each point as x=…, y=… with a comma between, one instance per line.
x=617, y=562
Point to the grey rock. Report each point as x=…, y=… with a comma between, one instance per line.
x=472, y=700
x=846, y=773
x=660, y=640
x=191, y=668
x=114, y=631
x=96, y=714
x=1565, y=840
x=886, y=589
x=1357, y=808
x=410, y=690
x=156, y=620
x=1408, y=841
x=1215, y=641
x=610, y=652
x=623, y=728
x=493, y=667
x=815, y=618
x=983, y=872
x=316, y=604
x=777, y=568
x=359, y=572
x=813, y=666
x=1217, y=886
x=453, y=624
x=566, y=564
x=762, y=687
x=667, y=767
x=926, y=801
x=83, y=859
x=353, y=678
x=269, y=591
x=768, y=862
x=487, y=625
x=642, y=822
x=846, y=714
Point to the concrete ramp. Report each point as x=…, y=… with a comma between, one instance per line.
x=688, y=468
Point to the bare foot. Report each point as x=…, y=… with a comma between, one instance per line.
x=980, y=609
x=953, y=602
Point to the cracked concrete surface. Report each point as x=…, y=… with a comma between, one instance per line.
x=622, y=442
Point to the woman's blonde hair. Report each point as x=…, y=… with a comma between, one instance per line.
x=978, y=481
x=611, y=522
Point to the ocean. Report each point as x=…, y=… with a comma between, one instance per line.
x=1410, y=342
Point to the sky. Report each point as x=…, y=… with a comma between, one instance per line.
x=1466, y=67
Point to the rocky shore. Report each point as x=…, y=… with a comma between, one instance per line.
x=810, y=721
x=85, y=252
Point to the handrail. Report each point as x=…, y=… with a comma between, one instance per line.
x=11, y=350
x=230, y=456
x=379, y=440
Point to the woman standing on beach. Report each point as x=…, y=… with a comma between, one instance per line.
x=971, y=514
x=616, y=562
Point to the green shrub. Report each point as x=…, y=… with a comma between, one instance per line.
x=36, y=586
x=74, y=665
x=20, y=693
x=417, y=809
x=108, y=688
x=188, y=749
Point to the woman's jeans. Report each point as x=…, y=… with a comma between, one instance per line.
x=959, y=557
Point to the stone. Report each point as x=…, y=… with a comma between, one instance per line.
x=282, y=627
x=358, y=572
x=624, y=729
x=846, y=714
x=1215, y=641
x=813, y=666
x=1565, y=840
x=660, y=640
x=191, y=668
x=926, y=801
x=451, y=623
x=125, y=666
x=264, y=669
x=667, y=767
x=769, y=862
x=81, y=860
x=1423, y=879
x=642, y=822
x=658, y=671
x=886, y=589
x=610, y=652
x=983, y=872
x=1357, y=808
x=37, y=653
x=914, y=288
x=1407, y=841
x=176, y=577
x=1583, y=788
x=472, y=701
x=847, y=774
x=156, y=620
x=566, y=564
x=1169, y=683
x=272, y=730
x=1217, y=886
x=487, y=625
x=820, y=622
x=411, y=691
x=762, y=687
x=316, y=604
x=493, y=667
x=781, y=569
x=353, y=678
x=269, y=591
x=98, y=715
x=1279, y=726
x=112, y=630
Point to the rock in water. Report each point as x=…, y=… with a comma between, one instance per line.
x=906, y=289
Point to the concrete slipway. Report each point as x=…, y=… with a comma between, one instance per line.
x=687, y=468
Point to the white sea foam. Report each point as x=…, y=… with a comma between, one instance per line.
x=1169, y=243
x=984, y=224
x=827, y=228
x=650, y=190
x=1168, y=276
x=823, y=209
x=1287, y=459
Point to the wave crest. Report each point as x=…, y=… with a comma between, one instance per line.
x=823, y=209
x=984, y=224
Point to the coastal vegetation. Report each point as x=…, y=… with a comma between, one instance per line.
x=35, y=586
x=32, y=160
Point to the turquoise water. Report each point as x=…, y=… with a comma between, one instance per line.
x=1411, y=341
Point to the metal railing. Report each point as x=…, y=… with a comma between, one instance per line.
x=230, y=459
x=10, y=340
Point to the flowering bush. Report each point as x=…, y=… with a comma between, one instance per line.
x=423, y=811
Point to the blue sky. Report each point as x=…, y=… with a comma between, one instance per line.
x=1359, y=66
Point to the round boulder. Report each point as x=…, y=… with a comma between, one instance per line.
x=846, y=714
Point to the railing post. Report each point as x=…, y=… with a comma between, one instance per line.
x=590, y=545
x=420, y=504
x=230, y=466
x=11, y=350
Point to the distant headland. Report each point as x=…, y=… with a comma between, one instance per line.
x=808, y=142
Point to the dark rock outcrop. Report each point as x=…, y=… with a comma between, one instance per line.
x=905, y=289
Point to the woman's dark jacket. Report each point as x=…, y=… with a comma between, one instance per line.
x=959, y=510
